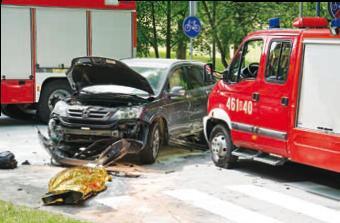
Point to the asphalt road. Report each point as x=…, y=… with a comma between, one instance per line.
x=183, y=186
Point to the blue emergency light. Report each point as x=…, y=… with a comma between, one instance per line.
x=335, y=23
x=274, y=23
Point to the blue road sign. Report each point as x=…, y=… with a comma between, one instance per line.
x=191, y=26
x=334, y=9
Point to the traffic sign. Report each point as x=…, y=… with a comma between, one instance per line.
x=191, y=26
x=334, y=9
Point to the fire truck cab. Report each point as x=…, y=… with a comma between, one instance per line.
x=39, y=39
x=279, y=99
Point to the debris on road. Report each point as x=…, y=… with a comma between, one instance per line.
x=26, y=162
x=74, y=185
x=7, y=160
x=124, y=174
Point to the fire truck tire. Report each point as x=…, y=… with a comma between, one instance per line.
x=149, y=154
x=51, y=93
x=16, y=112
x=221, y=146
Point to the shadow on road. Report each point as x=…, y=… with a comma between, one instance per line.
x=7, y=121
x=291, y=172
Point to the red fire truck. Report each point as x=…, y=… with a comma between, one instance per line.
x=39, y=38
x=279, y=99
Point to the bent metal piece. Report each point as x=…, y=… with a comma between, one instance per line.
x=112, y=151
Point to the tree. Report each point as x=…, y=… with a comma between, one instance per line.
x=168, y=30
x=225, y=24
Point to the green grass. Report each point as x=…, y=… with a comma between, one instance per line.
x=10, y=213
x=196, y=56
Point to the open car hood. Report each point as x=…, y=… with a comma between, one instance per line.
x=88, y=71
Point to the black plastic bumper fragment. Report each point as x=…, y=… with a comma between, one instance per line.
x=110, y=150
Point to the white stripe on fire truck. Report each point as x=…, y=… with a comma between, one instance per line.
x=219, y=207
x=294, y=204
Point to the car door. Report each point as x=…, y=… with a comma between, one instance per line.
x=274, y=95
x=177, y=107
x=240, y=93
x=197, y=94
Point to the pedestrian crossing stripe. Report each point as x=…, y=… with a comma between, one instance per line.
x=219, y=207
x=294, y=204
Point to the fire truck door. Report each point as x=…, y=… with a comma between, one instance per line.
x=274, y=96
x=243, y=85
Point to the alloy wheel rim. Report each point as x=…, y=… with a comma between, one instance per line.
x=56, y=96
x=155, y=143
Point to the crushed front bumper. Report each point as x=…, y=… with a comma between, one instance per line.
x=102, y=152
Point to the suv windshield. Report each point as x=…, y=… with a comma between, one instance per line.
x=155, y=76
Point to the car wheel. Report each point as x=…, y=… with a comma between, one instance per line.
x=221, y=146
x=52, y=93
x=149, y=154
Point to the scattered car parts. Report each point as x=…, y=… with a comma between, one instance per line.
x=100, y=153
x=7, y=160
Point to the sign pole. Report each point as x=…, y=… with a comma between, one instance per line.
x=192, y=26
x=301, y=9
x=191, y=49
x=192, y=12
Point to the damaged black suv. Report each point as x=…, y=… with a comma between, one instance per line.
x=150, y=100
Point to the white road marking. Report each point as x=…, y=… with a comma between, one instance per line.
x=318, y=189
x=219, y=207
x=298, y=205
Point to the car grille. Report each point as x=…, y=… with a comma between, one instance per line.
x=88, y=113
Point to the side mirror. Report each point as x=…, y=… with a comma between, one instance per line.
x=208, y=72
x=226, y=75
x=177, y=91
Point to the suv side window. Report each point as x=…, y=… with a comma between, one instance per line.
x=177, y=78
x=278, y=61
x=246, y=63
x=195, y=77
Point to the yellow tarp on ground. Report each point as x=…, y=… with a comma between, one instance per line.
x=76, y=184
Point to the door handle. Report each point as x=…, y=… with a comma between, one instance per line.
x=255, y=96
x=284, y=101
x=21, y=82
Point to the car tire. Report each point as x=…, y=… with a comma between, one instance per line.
x=51, y=93
x=15, y=112
x=150, y=152
x=221, y=147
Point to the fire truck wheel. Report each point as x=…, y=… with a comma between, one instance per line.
x=221, y=147
x=52, y=92
x=16, y=112
x=149, y=154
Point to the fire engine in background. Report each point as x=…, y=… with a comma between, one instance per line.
x=279, y=99
x=39, y=39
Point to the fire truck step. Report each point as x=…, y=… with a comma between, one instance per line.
x=270, y=159
x=250, y=154
x=245, y=153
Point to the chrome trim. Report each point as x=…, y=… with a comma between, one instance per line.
x=272, y=133
x=259, y=130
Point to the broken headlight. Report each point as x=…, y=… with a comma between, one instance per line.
x=128, y=113
x=60, y=108
x=55, y=131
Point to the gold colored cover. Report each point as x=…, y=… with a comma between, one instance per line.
x=76, y=184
